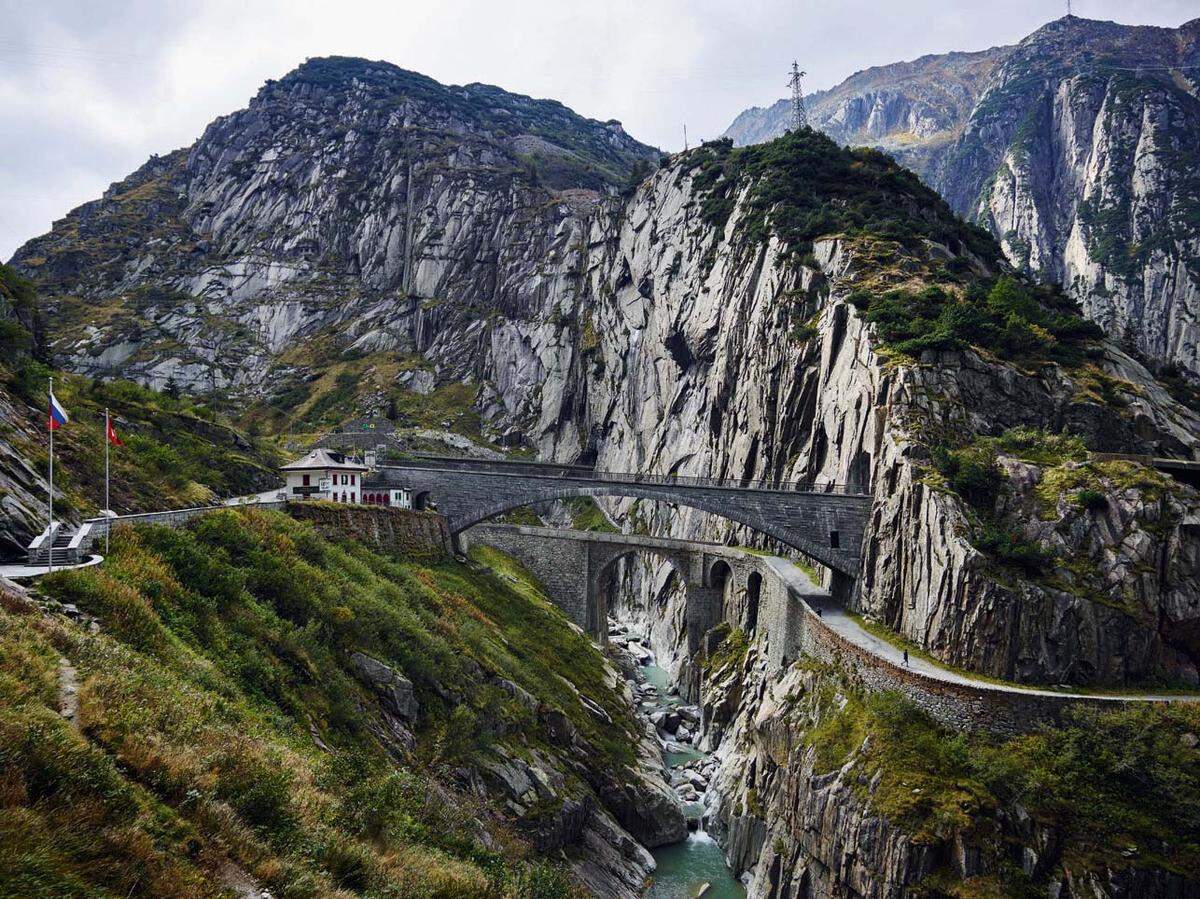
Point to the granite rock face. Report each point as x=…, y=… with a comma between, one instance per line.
x=794, y=827
x=1075, y=147
x=353, y=203
x=706, y=375
x=636, y=332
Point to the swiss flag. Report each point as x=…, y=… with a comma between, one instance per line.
x=111, y=433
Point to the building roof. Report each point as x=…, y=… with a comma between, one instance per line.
x=321, y=458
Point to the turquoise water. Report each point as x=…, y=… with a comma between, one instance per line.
x=659, y=678
x=684, y=868
x=675, y=759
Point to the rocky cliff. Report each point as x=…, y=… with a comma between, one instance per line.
x=790, y=310
x=733, y=358
x=824, y=790
x=1076, y=148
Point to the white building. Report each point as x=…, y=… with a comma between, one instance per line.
x=324, y=474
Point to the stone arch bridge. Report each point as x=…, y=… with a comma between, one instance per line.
x=720, y=582
x=823, y=521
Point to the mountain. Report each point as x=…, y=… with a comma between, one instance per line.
x=346, y=189
x=1075, y=147
x=793, y=310
x=913, y=110
x=679, y=328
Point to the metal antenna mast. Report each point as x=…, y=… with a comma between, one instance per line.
x=1068, y=9
x=799, y=113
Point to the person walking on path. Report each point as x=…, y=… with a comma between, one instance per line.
x=906, y=658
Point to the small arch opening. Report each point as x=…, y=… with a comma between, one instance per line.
x=421, y=501
x=720, y=575
x=753, y=593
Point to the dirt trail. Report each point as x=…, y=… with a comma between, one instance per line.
x=68, y=692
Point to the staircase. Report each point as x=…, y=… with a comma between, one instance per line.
x=60, y=544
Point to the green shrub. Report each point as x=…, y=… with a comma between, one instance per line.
x=972, y=472
x=803, y=186
x=1092, y=500
x=1009, y=547
x=1042, y=447
x=1006, y=317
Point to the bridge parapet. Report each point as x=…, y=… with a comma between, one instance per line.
x=570, y=471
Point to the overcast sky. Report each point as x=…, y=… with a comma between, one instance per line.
x=90, y=88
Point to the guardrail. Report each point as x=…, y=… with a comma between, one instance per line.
x=581, y=472
x=99, y=525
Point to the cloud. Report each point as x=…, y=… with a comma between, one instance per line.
x=89, y=90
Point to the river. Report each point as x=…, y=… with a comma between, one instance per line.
x=685, y=868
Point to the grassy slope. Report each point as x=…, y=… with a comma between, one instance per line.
x=223, y=652
x=176, y=453
x=1106, y=781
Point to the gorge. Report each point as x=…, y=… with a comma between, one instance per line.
x=497, y=275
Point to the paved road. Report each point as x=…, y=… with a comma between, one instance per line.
x=840, y=621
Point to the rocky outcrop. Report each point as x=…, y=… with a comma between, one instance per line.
x=394, y=689
x=796, y=823
x=1075, y=147
x=23, y=489
x=705, y=374
x=562, y=800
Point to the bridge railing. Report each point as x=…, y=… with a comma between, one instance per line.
x=584, y=473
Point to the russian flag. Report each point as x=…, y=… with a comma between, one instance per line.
x=58, y=415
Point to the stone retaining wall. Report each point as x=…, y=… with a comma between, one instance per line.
x=955, y=705
x=399, y=532
x=418, y=535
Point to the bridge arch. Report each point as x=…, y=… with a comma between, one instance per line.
x=603, y=577
x=824, y=521
x=718, y=505
x=720, y=575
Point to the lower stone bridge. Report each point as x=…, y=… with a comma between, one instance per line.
x=824, y=521
x=720, y=583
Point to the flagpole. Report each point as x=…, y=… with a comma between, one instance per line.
x=50, y=424
x=107, y=507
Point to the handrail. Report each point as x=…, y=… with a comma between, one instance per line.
x=121, y=519
x=78, y=537
x=579, y=472
x=48, y=534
